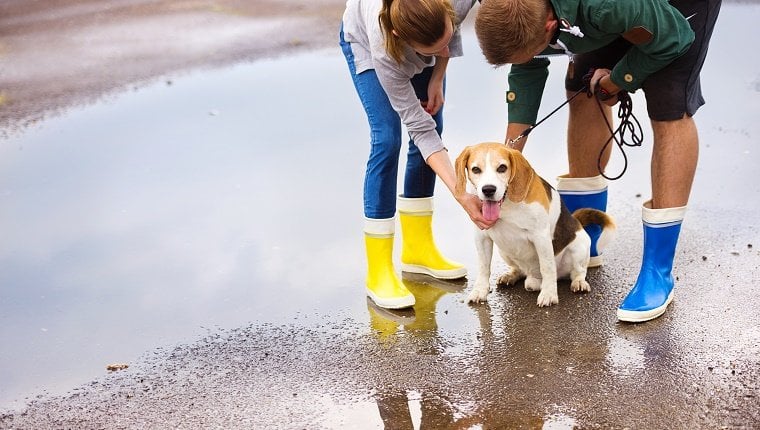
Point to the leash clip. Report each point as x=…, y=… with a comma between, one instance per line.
x=511, y=142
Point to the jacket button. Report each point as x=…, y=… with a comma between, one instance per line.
x=511, y=96
x=628, y=77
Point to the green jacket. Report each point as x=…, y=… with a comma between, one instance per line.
x=658, y=31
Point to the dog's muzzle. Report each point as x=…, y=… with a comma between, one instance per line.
x=491, y=208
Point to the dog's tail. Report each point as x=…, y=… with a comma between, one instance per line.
x=587, y=216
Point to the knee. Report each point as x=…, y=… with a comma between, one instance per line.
x=386, y=135
x=669, y=130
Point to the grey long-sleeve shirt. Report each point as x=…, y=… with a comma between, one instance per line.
x=361, y=27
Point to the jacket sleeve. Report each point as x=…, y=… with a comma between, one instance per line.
x=400, y=92
x=668, y=35
x=526, y=87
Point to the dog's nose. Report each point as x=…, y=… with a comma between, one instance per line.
x=488, y=190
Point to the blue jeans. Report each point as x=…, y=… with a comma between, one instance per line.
x=381, y=175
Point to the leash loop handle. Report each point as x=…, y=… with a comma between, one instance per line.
x=629, y=124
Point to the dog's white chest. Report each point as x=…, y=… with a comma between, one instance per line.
x=513, y=240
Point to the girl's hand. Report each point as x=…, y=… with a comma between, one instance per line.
x=435, y=98
x=435, y=86
x=473, y=206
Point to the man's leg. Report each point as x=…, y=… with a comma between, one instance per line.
x=587, y=131
x=584, y=186
x=674, y=161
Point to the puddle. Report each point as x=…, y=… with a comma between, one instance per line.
x=625, y=357
x=202, y=201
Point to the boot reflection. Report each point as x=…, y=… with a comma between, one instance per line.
x=427, y=291
x=407, y=409
x=386, y=322
x=419, y=320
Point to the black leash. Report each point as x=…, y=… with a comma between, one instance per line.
x=628, y=124
x=527, y=131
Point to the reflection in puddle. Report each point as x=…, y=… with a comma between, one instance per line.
x=410, y=409
x=559, y=421
x=414, y=409
x=361, y=414
x=624, y=357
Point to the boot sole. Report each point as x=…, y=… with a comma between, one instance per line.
x=438, y=274
x=392, y=303
x=595, y=261
x=642, y=316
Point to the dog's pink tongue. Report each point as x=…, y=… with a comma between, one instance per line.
x=491, y=210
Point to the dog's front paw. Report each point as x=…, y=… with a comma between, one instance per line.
x=580, y=285
x=548, y=297
x=478, y=294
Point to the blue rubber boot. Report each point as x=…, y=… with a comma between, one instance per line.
x=653, y=290
x=578, y=193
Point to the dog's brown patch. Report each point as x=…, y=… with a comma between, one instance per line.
x=524, y=184
x=460, y=169
x=566, y=229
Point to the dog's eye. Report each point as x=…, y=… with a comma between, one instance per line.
x=502, y=168
x=476, y=170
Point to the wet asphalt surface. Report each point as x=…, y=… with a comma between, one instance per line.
x=205, y=229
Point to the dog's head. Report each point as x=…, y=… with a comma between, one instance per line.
x=496, y=172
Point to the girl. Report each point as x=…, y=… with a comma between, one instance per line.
x=397, y=52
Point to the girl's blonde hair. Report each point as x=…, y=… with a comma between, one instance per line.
x=418, y=21
x=509, y=28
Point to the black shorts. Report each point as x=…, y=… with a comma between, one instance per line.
x=675, y=89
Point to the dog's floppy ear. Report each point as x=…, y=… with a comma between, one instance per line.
x=460, y=168
x=520, y=177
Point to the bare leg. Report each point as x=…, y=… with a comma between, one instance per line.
x=586, y=134
x=674, y=161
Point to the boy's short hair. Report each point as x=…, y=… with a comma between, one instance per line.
x=508, y=27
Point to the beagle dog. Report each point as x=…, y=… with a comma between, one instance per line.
x=535, y=233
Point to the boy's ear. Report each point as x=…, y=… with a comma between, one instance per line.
x=551, y=23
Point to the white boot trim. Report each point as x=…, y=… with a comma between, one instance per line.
x=415, y=205
x=642, y=316
x=592, y=185
x=665, y=217
x=380, y=227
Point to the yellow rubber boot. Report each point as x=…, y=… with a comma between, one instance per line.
x=383, y=285
x=419, y=253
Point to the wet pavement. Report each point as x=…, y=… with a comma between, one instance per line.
x=206, y=230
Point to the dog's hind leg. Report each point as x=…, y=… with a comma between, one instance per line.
x=578, y=283
x=548, y=267
x=575, y=261
x=532, y=277
x=533, y=283
x=513, y=274
x=511, y=277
